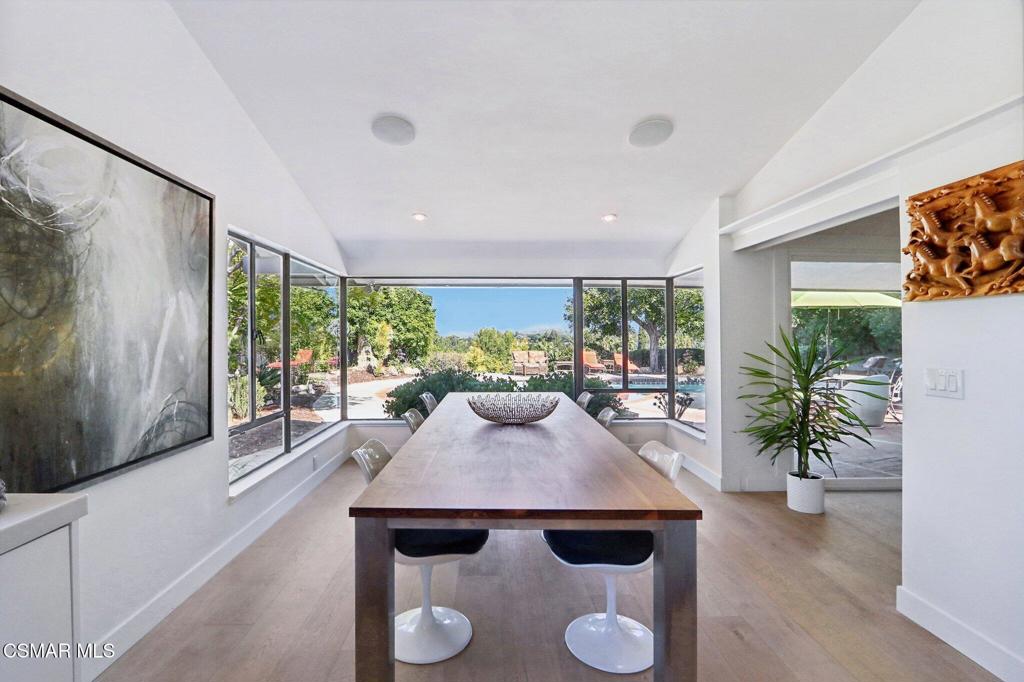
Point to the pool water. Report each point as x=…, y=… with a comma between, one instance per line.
x=680, y=388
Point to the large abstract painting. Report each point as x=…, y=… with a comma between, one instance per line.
x=104, y=305
x=967, y=237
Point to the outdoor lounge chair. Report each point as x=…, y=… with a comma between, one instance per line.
x=538, y=363
x=519, y=360
x=591, y=363
x=618, y=363
x=527, y=362
x=302, y=357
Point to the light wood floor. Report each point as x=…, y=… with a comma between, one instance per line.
x=781, y=597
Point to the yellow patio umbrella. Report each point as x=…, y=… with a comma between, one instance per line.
x=844, y=299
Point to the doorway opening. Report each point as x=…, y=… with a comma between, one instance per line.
x=845, y=288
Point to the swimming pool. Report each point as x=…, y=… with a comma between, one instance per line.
x=695, y=390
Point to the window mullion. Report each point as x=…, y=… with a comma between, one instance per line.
x=670, y=346
x=579, y=372
x=343, y=347
x=286, y=349
x=251, y=327
x=625, y=334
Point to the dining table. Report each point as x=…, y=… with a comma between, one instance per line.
x=563, y=472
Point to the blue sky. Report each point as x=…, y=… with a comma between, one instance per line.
x=463, y=310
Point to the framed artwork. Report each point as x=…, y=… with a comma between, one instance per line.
x=105, y=305
x=967, y=237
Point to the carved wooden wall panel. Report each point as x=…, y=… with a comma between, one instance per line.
x=967, y=237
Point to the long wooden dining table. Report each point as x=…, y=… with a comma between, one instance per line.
x=564, y=472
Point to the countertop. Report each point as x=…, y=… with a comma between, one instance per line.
x=28, y=516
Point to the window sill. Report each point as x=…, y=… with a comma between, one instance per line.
x=689, y=431
x=244, y=485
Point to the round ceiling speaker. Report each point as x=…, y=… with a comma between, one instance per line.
x=651, y=132
x=391, y=129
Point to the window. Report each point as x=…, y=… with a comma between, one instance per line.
x=409, y=336
x=647, y=369
x=625, y=332
x=602, y=332
x=263, y=422
x=314, y=311
x=688, y=303
x=239, y=406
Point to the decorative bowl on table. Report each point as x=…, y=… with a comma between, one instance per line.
x=513, y=408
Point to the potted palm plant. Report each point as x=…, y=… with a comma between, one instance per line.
x=798, y=408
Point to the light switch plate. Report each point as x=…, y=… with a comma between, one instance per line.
x=944, y=382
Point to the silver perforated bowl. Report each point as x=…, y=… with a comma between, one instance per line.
x=512, y=408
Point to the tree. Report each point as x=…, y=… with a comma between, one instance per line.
x=602, y=318
x=555, y=344
x=452, y=343
x=855, y=331
x=408, y=311
x=380, y=341
x=689, y=305
x=238, y=306
x=314, y=312
x=413, y=322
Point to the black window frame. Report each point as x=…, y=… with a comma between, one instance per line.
x=672, y=286
x=579, y=377
x=284, y=413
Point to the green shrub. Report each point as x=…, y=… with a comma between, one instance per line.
x=563, y=382
x=442, y=383
x=407, y=395
x=238, y=396
x=476, y=359
x=442, y=360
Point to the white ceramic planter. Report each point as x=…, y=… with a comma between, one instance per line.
x=806, y=495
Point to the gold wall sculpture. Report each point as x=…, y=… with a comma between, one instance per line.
x=967, y=237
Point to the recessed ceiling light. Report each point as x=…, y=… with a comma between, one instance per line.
x=419, y=217
x=651, y=132
x=391, y=129
x=609, y=217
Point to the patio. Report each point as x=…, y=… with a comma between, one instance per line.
x=857, y=460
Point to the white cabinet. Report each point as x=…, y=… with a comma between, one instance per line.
x=38, y=588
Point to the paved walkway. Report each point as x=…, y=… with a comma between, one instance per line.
x=366, y=399
x=857, y=460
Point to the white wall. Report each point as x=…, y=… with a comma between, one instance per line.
x=963, y=460
x=741, y=313
x=947, y=61
x=938, y=101
x=129, y=72
x=754, y=303
x=699, y=248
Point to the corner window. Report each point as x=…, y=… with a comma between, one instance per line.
x=276, y=399
x=688, y=301
x=406, y=337
x=314, y=309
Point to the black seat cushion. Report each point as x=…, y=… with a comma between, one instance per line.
x=616, y=547
x=416, y=543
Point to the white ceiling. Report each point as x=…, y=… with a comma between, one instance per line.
x=522, y=111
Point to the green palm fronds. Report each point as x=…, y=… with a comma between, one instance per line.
x=794, y=405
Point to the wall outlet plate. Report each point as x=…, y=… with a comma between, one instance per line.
x=944, y=382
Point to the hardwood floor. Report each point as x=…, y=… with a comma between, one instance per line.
x=782, y=597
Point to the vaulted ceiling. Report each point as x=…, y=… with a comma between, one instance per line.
x=522, y=112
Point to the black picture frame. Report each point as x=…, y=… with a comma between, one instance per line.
x=32, y=108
